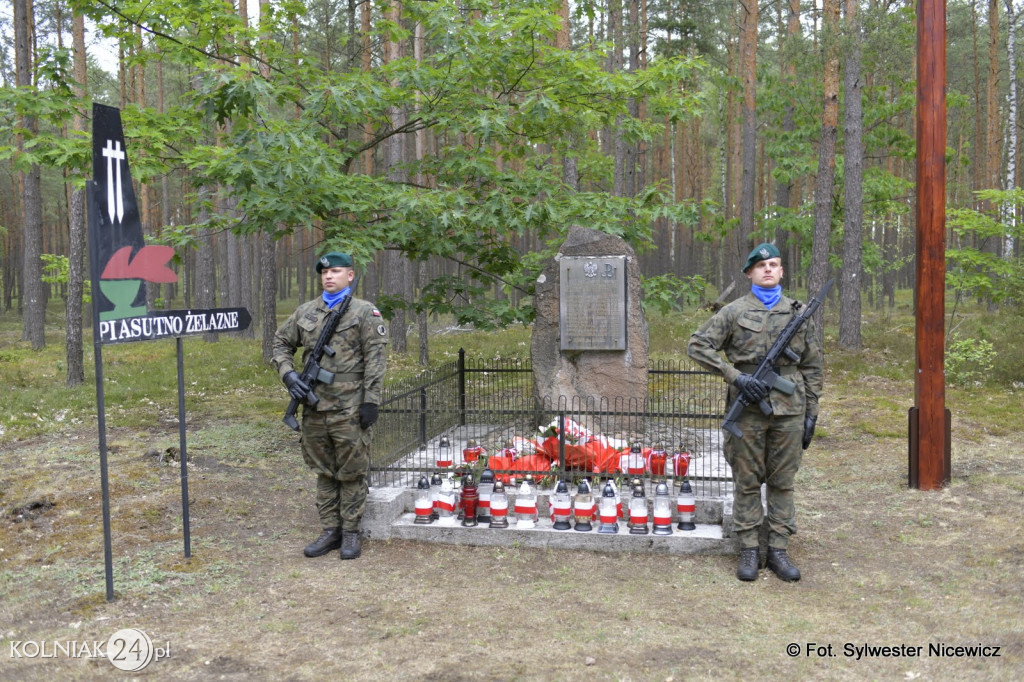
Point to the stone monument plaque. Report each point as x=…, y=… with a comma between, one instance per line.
x=592, y=302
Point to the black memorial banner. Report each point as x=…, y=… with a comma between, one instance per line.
x=120, y=258
x=121, y=262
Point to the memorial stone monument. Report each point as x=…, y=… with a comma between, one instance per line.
x=590, y=338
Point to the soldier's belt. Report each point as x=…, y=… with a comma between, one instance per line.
x=348, y=376
x=781, y=371
x=325, y=377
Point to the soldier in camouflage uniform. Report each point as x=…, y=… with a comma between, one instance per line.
x=336, y=433
x=772, y=446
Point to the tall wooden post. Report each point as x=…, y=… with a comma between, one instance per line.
x=929, y=455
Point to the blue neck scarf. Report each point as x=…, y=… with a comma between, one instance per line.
x=334, y=299
x=767, y=296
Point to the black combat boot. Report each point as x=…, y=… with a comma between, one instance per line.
x=350, y=545
x=779, y=563
x=748, y=567
x=328, y=540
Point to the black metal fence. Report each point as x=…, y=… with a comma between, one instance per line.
x=493, y=403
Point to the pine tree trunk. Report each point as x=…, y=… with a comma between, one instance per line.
x=206, y=284
x=32, y=292
x=367, y=54
x=826, y=157
x=748, y=135
x=784, y=188
x=570, y=163
x=618, y=142
x=73, y=353
x=993, y=141
x=977, y=168
x=853, y=215
x=396, y=266
x=419, y=150
x=268, y=293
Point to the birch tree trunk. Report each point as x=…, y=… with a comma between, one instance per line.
x=1010, y=182
x=993, y=143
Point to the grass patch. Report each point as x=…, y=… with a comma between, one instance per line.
x=911, y=567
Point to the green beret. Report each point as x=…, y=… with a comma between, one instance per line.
x=334, y=259
x=761, y=252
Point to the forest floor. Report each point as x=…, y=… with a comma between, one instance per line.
x=933, y=576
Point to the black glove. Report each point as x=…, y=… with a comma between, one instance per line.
x=754, y=390
x=367, y=415
x=298, y=388
x=809, y=422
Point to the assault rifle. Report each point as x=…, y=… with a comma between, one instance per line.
x=313, y=373
x=767, y=371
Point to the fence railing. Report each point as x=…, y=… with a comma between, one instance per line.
x=493, y=403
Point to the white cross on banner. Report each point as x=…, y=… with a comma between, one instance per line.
x=113, y=152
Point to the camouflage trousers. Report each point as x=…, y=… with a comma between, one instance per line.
x=770, y=453
x=338, y=451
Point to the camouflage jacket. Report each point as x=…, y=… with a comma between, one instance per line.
x=359, y=359
x=744, y=330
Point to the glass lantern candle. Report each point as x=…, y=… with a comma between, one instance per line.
x=470, y=497
x=446, y=503
x=686, y=506
x=561, y=507
x=635, y=465
x=656, y=460
x=526, y=504
x=681, y=461
x=607, y=513
x=424, y=502
x=509, y=450
x=435, y=492
x=471, y=453
x=638, y=512
x=584, y=507
x=499, y=506
x=444, y=457
x=484, y=489
x=662, y=510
